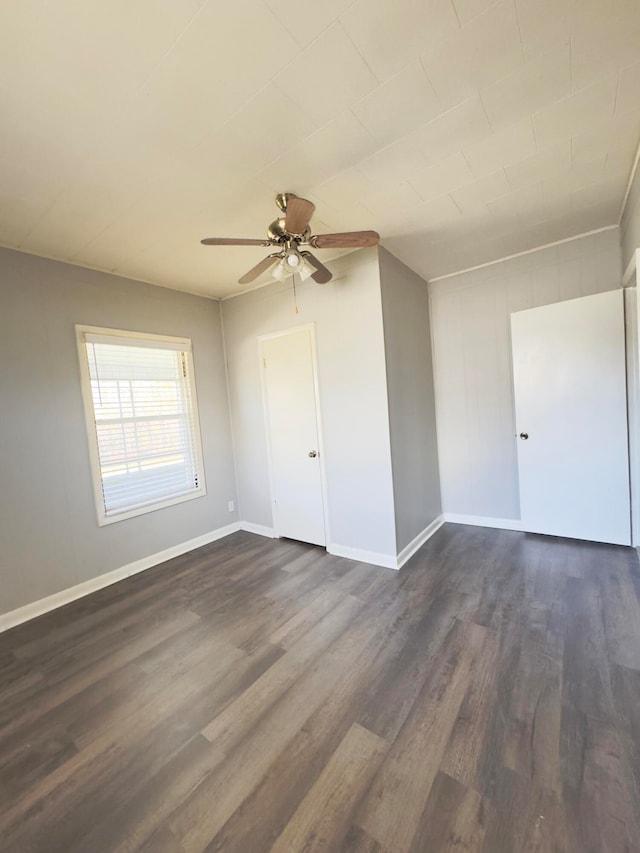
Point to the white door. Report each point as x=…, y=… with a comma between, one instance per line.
x=292, y=422
x=571, y=418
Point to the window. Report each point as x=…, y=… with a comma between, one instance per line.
x=142, y=419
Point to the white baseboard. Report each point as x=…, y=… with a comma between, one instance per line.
x=58, y=599
x=408, y=551
x=387, y=561
x=482, y=521
x=258, y=529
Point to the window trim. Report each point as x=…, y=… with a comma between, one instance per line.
x=179, y=344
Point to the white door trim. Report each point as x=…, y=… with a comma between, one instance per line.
x=311, y=329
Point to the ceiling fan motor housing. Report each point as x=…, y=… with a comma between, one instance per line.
x=276, y=231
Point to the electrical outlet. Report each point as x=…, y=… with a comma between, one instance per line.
x=232, y=506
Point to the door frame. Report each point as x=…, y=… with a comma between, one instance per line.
x=311, y=329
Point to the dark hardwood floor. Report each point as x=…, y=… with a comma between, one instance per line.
x=260, y=695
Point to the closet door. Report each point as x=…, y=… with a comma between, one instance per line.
x=571, y=417
x=292, y=426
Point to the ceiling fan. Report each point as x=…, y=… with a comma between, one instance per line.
x=288, y=233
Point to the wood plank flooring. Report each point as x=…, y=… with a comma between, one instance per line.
x=260, y=695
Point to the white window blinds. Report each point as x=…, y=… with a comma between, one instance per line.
x=145, y=422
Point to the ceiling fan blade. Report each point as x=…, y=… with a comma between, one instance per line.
x=322, y=275
x=233, y=241
x=299, y=212
x=263, y=266
x=346, y=240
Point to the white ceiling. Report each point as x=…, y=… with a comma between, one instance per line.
x=461, y=130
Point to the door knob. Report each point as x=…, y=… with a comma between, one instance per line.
x=313, y=453
x=524, y=436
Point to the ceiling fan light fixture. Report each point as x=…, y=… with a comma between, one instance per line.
x=305, y=270
x=281, y=270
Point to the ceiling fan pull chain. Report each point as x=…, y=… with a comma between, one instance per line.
x=295, y=295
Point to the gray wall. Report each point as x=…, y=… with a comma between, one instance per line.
x=412, y=416
x=630, y=224
x=49, y=535
x=353, y=398
x=470, y=315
